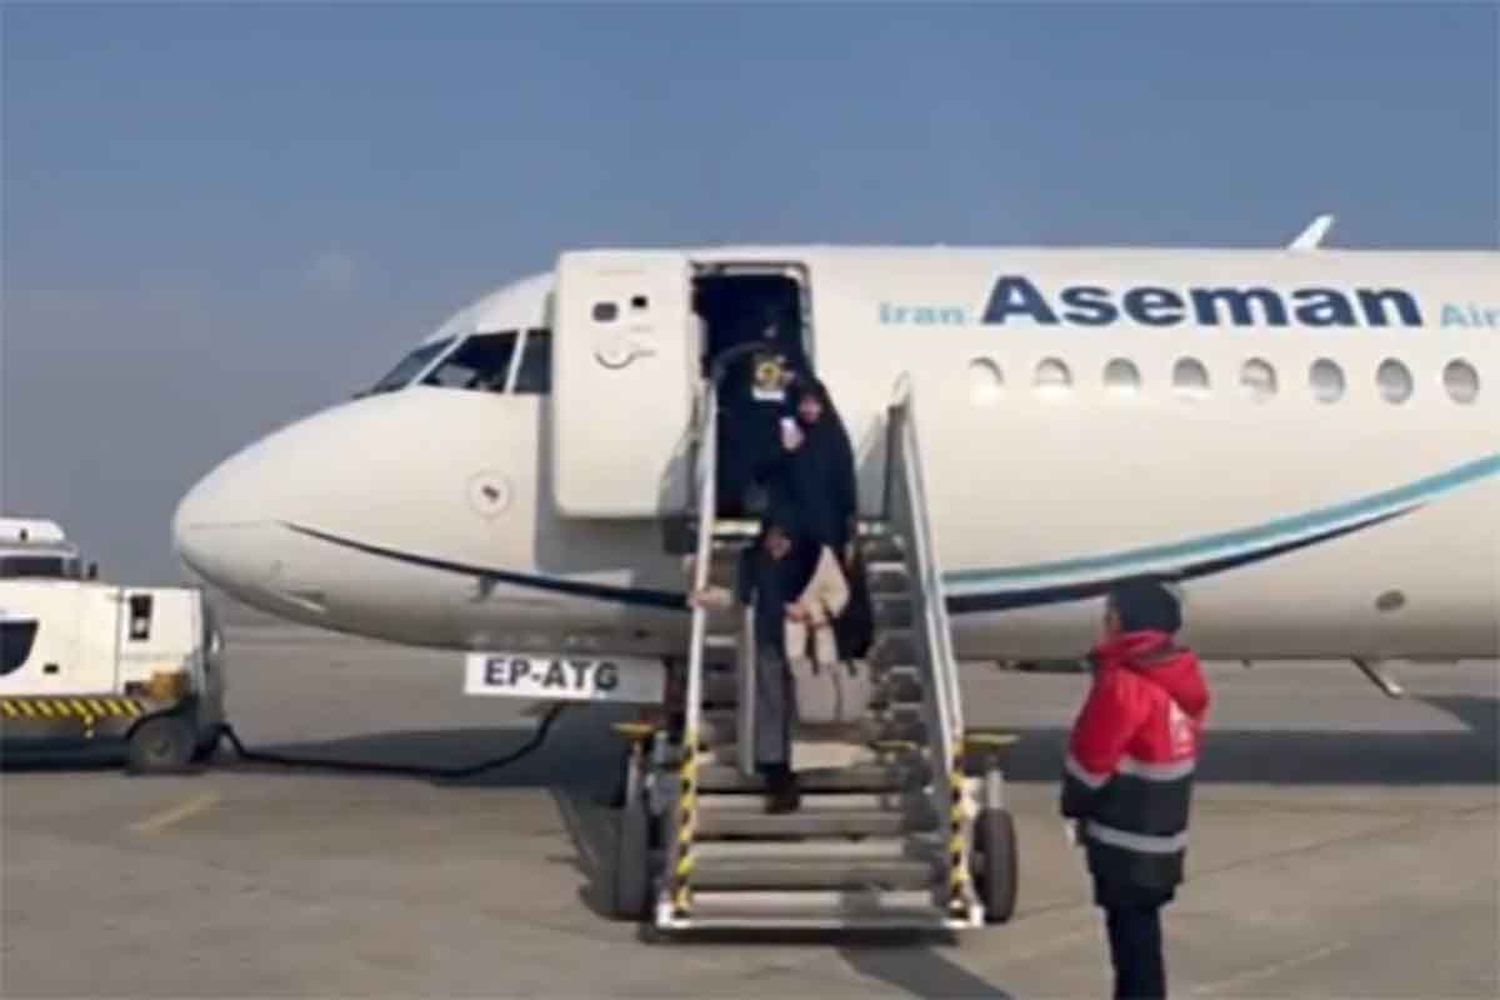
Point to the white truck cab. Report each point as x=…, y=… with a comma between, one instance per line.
x=83, y=661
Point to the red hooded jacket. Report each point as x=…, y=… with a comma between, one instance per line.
x=1129, y=770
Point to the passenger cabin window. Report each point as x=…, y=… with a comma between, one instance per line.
x=1258, y=380
x=986, y=382
x=482, y=363
x=1190, y=378
x=1053, y=379
x=1327, y=380
x=410, y=367
x=16, y=638
x=1461, y=379
x=1394, y=380
x=534, y=374
x=1122, y=377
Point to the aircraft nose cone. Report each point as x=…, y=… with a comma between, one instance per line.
x=194, y=512
x=216, y=526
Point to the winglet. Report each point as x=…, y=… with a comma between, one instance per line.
x=1311, y=238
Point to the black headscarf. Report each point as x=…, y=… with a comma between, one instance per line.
x=819, y=489
x=1145, y=605
x=808, y=385
x=768, y=584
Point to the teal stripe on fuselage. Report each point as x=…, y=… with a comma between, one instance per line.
x=1230, y=543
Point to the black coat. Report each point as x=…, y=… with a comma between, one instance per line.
x=817, y=487
x=854, y=630
x=768, y=585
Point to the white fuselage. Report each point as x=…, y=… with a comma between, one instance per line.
x=1313, y=502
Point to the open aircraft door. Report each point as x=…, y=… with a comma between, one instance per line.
x=626, y=350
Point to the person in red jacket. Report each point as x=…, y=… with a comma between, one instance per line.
x=1129, y=772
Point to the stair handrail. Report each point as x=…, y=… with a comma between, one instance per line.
x=935, y=591
x=677, y=895
x=907, y=506
x=708, y=505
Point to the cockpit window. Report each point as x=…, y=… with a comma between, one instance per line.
x=534, y=375
x=410, y=366
x=51, y=567
x=16, y=638
x=482, y=362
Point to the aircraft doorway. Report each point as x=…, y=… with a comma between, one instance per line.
x=755, y=340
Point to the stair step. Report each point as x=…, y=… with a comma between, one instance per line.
x=888, y=582
x=896, y=688
x=728, y=754
x=890, y=548
x=899, y=800
x=721, y=690
x=725, y=621
x=898, y=908
x=735, y=531
x=899, y=673
x=893, y=645
x=925, y=848
x=858, y=778
x=806, y=823
x=901, y=689
x=775, y=873
x=723, y=568
x=721, y=725
x=893, y=611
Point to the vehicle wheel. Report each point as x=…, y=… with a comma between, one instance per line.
x=632, y=869
x=995, y=868
x=161, y=745
x=619, y=790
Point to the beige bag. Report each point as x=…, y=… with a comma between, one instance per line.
x=827, y=692
x=831, y=694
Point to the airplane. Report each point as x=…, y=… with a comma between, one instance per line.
x=1306, y=439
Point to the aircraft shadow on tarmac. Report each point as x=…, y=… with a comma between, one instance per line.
x=1318, y=757
x=582, y=754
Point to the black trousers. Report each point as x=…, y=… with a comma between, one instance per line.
x=1135, y=950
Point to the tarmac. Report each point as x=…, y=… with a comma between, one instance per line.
x=1344, y=845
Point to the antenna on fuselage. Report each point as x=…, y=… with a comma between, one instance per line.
x=1311, y=238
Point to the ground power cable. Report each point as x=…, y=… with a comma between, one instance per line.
x=227, y=734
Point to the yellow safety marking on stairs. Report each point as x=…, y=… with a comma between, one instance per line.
x=192, y=807
x=958, y=867
x=687, y=814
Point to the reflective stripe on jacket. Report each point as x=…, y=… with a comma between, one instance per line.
x=1131, y=755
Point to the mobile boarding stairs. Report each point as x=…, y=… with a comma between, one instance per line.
x=910, y=837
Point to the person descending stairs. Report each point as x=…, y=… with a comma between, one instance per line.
x=896, y=836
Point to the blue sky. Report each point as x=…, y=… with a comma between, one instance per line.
x=217, y=218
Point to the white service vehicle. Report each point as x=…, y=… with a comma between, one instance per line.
x=84, y=661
